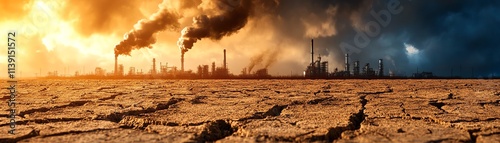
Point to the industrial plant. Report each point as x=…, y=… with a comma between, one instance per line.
x=319, y=69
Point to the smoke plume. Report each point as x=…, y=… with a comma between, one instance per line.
x=264, y=59
x=144, y=31
x=233, y=16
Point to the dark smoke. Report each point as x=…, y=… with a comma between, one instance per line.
x=265, y=59
x=143, y=34
x=233, y=16
x=255, y=61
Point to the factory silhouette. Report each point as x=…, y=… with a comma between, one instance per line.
x=317, y=69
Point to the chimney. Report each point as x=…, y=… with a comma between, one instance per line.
x=225, y=60
x=116, y=64
x=356, y=68
x=154, y=67
x=182, y=62
x=312, y=52
x=380, y=68
x=347, y=64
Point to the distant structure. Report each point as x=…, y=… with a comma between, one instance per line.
x=380, y=68
x=131, y=71
x=215, y=72
x=182, y=62
x=367, y=71
x=356, y=68
x=225, y=64
x=153, y=71
x=423, y=75
x=99, y=71
x=347, y=65
x=116, y=65
x=317, y=69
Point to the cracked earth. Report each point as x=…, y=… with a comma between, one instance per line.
x=254, y=111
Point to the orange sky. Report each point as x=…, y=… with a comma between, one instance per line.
x=80, y=35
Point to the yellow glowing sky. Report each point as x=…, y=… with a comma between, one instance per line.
x=70, y=36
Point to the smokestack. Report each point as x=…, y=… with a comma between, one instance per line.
x=380, y=68
x=312, y=52
x=182, y=62
x=116, y=64
x=154, y=67
x=347, y=64
x=225, y=66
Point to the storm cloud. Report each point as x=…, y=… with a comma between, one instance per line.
x=452, y=37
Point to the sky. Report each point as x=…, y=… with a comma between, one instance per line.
x=446, y=37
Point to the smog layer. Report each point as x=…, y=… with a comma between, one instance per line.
x=444, y=37
x=255, y=111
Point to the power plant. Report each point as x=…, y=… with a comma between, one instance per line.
x=317, y=69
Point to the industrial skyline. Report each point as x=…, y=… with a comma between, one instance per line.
x=447, y=38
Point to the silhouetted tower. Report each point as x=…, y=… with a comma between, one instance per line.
x=380, y=67
x=366, y=70
x=312, y=52
x=153, y=71
x=225, y=65
x=116, y=65
x=347, y=64
x=356, y=68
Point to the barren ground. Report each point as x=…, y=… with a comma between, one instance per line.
x=254, y=111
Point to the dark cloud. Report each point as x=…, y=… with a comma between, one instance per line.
x=449, y=34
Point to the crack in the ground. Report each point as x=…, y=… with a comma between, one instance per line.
x=118, y=116
x=215, y=130
x=103, y=88
x=43, y=121
x=437, y=104
x=198, y=99
x=33, y=133
x=273, y=111
x=112, y=96
x=45, y=109
x=472, y=136
x=387, y=90
x=355, y=121
x=403, y=109
x=320, y=100
x=5, y=97
x=475, y=120
x=495, y=103
x=489, y=134
x=143, y=123
x=74, y=132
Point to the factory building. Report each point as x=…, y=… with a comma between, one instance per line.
x=318, y=68
x=215, y=72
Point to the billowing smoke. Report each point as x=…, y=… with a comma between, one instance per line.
x=264, y=59
x=143, y=34
x=232, y=18
x=255, y=61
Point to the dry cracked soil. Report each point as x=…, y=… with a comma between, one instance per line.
x=254, y=111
